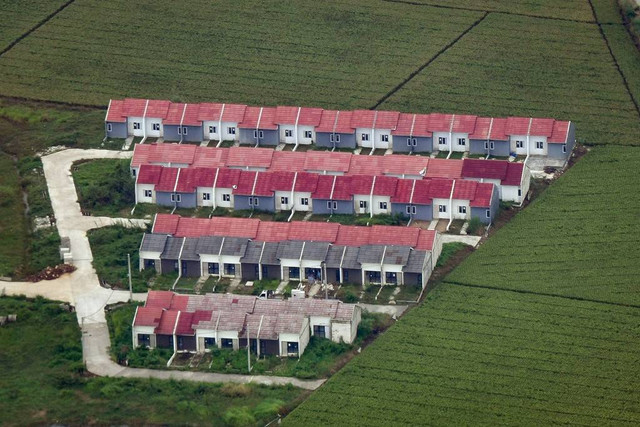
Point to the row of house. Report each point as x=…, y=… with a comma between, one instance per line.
x=402, y=132
x=200, y=323
x=250, y=249
x=423, y=199
x=511, y=178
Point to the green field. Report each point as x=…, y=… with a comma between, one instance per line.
x=19, y=17
x=483, y=357
x=12, y=223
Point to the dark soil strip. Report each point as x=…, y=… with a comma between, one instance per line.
x=38, y=25
x=544, y=294
x=615, y=61
x=50, y=103
x=502, y=12
x=426, y=64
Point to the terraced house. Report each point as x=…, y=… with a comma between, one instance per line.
x=199, y=323
x=251, y=249
x=373, y=129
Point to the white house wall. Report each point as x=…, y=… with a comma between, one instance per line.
x=321, y=321
x=202, y=190
x=436, y=139
x=279, y=205
x=357, y=198
x=341, y=331
x=141, y=197
x=454, y=142
x=148, y=330
x=297, y=196
x=220, y=192
x=377, y=137
x=376, y=205
x=134, y=132
x=436, y=210
x=359, y=141
x=149, y=122
x=287, y=139
x=302, y=139
x=456, y=205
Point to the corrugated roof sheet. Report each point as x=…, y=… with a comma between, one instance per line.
x=153, y=242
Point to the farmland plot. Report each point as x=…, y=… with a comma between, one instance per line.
x=476, y=356
x=330, y=54
x=578, y=239
x=515, y=65
x=20, y=16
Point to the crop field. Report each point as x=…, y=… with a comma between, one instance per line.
x=19, y=16
x=578, y=239
x=560, y=69
x=331, y=54
x=485, y=357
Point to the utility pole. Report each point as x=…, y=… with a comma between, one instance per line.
x=248, y=350
x=129, y=267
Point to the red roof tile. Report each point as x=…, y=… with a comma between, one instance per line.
x=517, y=125
x=157, y=109
x=403, y=191
x=465, y=190
x=514, y=174
x=421, y=193
x=141, y=154
x=444, y=168
x=464, y=123
x=482, y=197
x=259, y=118
x=192, y=227
x=314, y=231
x=421, y=126
x=167, y=181
x=406, y=124
x=327, y=161
x=191, y=115
x=281, y=180
x=210, y=157
x=398, y=164
x=205, y=177
x=306, y=182
x=362, y=119
x=209, y=111
x=159, y=299
x=559, y=133
x=148, y=316
x=174, y=114
x=184, y=324
x=292, y=161
x=541, y=127
x=366, y=165
x=391, y=235
x=165, y=224
x=171, y=153
x=324, y=185
x=115, y=113
x=356, y=184
x=386, y=119
x=426, y=239
x=273, y=231
x=343, y=189
x=227, y=178
x=488, y=169
x=440, y=188
x=234, y=227
x=309, y=116
x=264, y=186
x=327, y=121
x=246, y=183
x=286, y=115
x=134, y=107
x=189, y=179
x=385, y=186
x=252, y=157
x=149, y=174
x=167, y=322
x=231, y=113
x=498, y=129
x=353, y=236
x=439, y=122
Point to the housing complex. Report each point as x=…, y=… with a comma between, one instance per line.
x=251, y=249
x=400, y=132
x=199, y=323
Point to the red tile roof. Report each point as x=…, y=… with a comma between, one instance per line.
x=171, y=153
x=385, y=186
x=141, y=154
x=357, y=184
x=281, y=180
x=324, y=185
x=334, y=121
x=259, y=118
x=115, y=113
x=167, y=181
x=392, y=235
x=517, y=125
x=286, y=115
x=403, y=191
x=306, y=182
x=174, y=114
x=191, y=115
x=306, y=116
x=483, y=194
x=421, y=193
x=559, y=133
x=415, y=125
x=541, y=127
x=464, y=123
x=489, y=169
x=134, y=107
x=514, y=174
x=209, y=111
x=386, y=119
x=234, y=227
x=149, y=174
x=159, y=299
x=366, y=165
x=184, y=324
x=192, y=227
x=264, y=185
x=426, y=238
x=439, y=122
x=362, y=119
x=440, y=188
x=252, y=157
x=314, y=231
x=327, y=161
x=246, y=183
x=496, y=126
x=148, y=316
x=353, y=236
x=398, y=164
x=327, y=121
x=167, y=322
x=465, y=190
x=165, y=224
x=272, y=231
x=309, y=116
x=342, y=190
x=292, y=161
x=227, y=178
x=157, y=109
x=191, y=178
x=444, y=168
x=231, y=113
x=210, y=157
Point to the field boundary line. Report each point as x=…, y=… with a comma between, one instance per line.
x=503, y=12
x=38, y=25
x=542, y=294
x=426, y=64
x=615, y=61
x=58, y=103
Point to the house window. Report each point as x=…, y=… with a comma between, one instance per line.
x=294, y=273
x=307, y=134
x=414, y=141
x=409, y=142
x=288, y=133
x=144, y=340
x=213, y=268
x=147, y=193
x=383, y=206
x=540, y=145
x=462, y=141
x=519, y=144
x=292, y=348
x=335, y=205
x=231, y=130
x=486, y=145
x=442, y=140
x=265, y=271
x=442, y=208
x=391, y=277
x=185, y=130
x=493, y=145
x=133, y=172
x=304, y=201
x=365, y=136
x=179, y=130
x=319, y=331
x=363, y=204
x=258, y=134
x=519, y=192
x=109, y=127
x=176, y=198
x=212, y=129
x=226, y=343
x=253, y=201
x=156, y=126
x=175, y=265
x=331, y=138
x=374, y=276
x=384, y=138
x=488, y=213
x=136, y=126
x=564, y=148
x=411, y=210
x=345, y=275
x=209, y=343
x=332, y=205
x=226, y=197
x=462, y=209
x=284, y=200
x=337, y=138
x=206, y=196
x=230, y=269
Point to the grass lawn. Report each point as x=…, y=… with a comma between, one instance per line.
x=49, y=385
x=13, y=226
x=448, y=250
x=104, y=186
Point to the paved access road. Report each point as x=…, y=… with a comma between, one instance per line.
x=82, y=287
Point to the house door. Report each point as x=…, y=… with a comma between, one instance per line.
x=184, y=268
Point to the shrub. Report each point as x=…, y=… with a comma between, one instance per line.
x=239, y=417
x=269, y=408
x=474, y=225
x=235, y=390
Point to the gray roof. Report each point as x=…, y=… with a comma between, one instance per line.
x=270, y=254
x=209, y=245
x=172, y=248
x=334, y=256
x=189, y=250
x=289, y=250
x=153, y=242
x=371, y=254
x=350, y=259
x=252, y=254
x=316, y=251
x=397, y=255
x=415, y=262
x=234, y=246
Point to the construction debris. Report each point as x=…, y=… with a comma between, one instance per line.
x=51, y=273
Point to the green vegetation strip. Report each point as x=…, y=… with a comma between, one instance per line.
x=19, y=17
x=478, y=356
x=43, y=382
x=104, y=186
x=13, y=227
x=578, y=239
